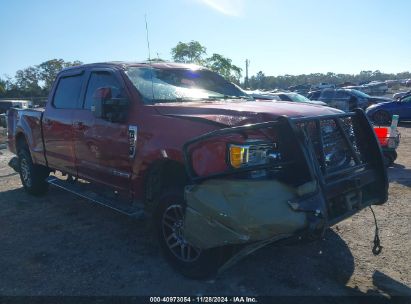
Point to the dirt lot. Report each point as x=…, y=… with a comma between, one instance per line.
x=62, y=245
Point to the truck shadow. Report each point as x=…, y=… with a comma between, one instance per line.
x=294, y=269
x=85, y=249
x=400, y=174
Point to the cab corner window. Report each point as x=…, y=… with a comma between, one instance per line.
x=68, y=92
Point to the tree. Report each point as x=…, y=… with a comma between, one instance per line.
x=2, y=87
x=224, y=67
x=260, y=79
x=48, y=70
x=191, y=52
x=27, y=82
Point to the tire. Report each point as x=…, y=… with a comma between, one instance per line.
x=33, y=177
x=382, y=117
x=190, y=261
x=389, y=158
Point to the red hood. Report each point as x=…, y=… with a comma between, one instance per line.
x=234, y=113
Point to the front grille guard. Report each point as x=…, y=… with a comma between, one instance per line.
x=305, y=145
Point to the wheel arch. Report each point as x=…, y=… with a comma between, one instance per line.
x=161, y=175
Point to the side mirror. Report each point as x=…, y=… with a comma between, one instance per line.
x=109, y=108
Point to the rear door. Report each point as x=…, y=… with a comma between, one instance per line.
x=58, y=121
x=101, y=146
x=341, y=99
x=327, y=96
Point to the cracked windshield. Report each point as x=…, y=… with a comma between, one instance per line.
x=178, y=85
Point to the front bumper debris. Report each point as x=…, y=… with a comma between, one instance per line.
x=221, y=212
x=223, y=209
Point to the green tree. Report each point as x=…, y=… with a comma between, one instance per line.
x=260, y=80
x=48, y=70
x=2, y=87
x=224, y=67
x=27, y=82
x=191, y=52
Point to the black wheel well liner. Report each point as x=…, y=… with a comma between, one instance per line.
x=21, y=141
x=161, y=175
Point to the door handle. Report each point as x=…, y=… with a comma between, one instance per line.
x=47, y=121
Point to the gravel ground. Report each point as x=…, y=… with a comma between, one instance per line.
x=62, y=245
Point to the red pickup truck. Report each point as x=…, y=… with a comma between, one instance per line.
x=220, y=174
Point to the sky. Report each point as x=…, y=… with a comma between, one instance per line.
x=278, y=36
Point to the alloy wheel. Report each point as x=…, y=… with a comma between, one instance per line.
x=173, y=228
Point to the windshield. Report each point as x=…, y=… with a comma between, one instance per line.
x=360, y=94
x=178, y=85
x=298, y=98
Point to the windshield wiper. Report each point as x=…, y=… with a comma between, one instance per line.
x=227, y=97
x=178, y=99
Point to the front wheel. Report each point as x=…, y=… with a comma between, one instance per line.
x=186, y=258
x=33, y=177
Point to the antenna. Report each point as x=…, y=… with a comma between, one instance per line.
x=148, y=40
x=149, y=57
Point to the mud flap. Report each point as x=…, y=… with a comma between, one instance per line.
x=224, y=212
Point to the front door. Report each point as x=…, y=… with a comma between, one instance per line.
x=101, y=146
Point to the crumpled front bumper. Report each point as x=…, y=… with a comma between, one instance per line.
x=230, y=211
x=222, y=209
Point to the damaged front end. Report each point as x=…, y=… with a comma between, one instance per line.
x=260, y=183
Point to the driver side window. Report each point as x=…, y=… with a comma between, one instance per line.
x=101, y=80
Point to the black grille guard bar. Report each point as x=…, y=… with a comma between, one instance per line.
x=304, y=145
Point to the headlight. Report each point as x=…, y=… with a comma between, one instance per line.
x=251, y=154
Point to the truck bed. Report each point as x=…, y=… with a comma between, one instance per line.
x=28, y=122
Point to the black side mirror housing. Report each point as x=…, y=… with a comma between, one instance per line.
x=109, y=108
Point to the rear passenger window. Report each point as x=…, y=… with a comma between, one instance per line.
x=102, y=80
x=328, y=94
x=68, y=92
x=342, y=94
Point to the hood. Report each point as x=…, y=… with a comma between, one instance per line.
x=317, y=102
x=234, y=113
x=381, y=99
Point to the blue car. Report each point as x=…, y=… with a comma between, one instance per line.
x=381, y=113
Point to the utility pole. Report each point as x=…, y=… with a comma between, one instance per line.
x=246, y=83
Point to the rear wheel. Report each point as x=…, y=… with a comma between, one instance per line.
x=33, y=177
x=186, y=258
x=382, y=117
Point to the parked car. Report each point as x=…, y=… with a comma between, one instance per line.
x=294, y=97
x=346, y=99
x=382, y=113
x=400, y=94
x=6, y=104
x=408, y=83
x=392, y=83
x=372, y=88
x=219, y=175
x=261, y=95
x=389, y=139
x=323, y=85
x=302, y=89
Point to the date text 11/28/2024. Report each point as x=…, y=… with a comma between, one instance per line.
x=203, y=299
